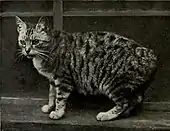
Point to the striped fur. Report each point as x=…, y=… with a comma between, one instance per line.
x=93, y=63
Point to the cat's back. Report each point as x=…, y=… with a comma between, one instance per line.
x=99, y=58
x=101, y=39
x=96, y=43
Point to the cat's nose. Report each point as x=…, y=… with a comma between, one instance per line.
x=28, y=50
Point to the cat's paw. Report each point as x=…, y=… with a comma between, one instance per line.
x=46, y=109
x=56, y=114
x=105, y=116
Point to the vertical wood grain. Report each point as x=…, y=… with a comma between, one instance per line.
x=58, y=14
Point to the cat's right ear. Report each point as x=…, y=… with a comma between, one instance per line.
x=21, y=26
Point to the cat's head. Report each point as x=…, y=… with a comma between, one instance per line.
x=33, y=39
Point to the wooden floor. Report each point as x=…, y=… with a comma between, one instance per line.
x=29, y=117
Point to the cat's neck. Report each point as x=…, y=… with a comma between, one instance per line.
x=37, y=62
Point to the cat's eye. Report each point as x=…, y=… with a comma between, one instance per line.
x=22, y=42
x=35, y=42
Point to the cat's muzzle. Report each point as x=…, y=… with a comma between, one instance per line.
x=30, y=56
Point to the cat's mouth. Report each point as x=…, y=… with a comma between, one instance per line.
x=30, y=56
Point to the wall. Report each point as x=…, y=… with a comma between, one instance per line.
x=146, y=22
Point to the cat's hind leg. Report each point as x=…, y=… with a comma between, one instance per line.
x=135, y=106
x=112, y=113
x=120, y=96
x=51, y=102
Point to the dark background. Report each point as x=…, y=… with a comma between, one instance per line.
x=20, y=79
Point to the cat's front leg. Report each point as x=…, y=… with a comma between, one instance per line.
x=51, y=102
x=60, y=102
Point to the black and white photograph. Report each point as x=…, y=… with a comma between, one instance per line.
x=85, y=65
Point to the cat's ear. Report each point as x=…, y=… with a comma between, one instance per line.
x=21, y=26
x=42, y=24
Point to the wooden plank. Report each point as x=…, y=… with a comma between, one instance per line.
x=117, y=13
x=58, y=15
x=25, y=14
x=24, y=0
x=156, y=106
x=22, y=101
x=148, y=106
x=89, y=0
x=120, y=0
x=30, y=118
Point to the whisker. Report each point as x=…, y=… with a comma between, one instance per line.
x=19, y=49
x=45, y=55
x=19, y=52
x=42, y=57
x=42, y=51
x=19, y=57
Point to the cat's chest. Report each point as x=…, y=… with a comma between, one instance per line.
x=37, y=62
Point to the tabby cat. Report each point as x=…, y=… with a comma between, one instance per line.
x=96, y=62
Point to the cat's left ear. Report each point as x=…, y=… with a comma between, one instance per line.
x=21, y=26
x=43, y=24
